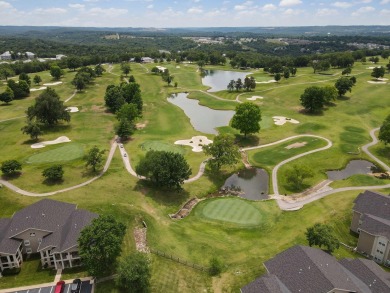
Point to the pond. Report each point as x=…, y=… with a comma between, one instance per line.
x=354, y=167
x=202, y=118
x=252, y=183
x=218, y=80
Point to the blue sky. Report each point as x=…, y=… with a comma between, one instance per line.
x=193, y=13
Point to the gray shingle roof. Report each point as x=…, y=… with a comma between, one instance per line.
x=62, y=219
x=373, y=203
x=376, y=226
x=306, y=269
x=265, y=284
x=372, y=275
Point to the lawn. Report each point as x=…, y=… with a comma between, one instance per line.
x=68, y=152
x=214, y=227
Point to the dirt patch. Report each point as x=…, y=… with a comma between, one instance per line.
x=142, y=125
x=140, y=240
x=186, y=209
x=296, y=145
x=96, y=108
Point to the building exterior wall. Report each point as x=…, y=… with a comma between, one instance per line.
x=366, y=243
x=31, y=239
x=355, y=221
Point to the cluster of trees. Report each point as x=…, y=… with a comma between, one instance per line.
x=296, y=175
x=384, y=131
x=247, y=118
x=16, y=90
x=248, y=84
x=11, y=168
x=85, y=75
x=315, y=98
x=378, y=72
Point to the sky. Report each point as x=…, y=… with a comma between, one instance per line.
x=193, y=13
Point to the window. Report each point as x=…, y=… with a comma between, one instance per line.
x=26, y=242
x=28, y=250
x=32, y=234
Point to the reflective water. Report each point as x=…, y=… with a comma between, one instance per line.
x=202, y=118
x=218, y=80
x=353, y=167
x=253, y=183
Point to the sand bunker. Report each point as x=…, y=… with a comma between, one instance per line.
x=270, y=81
x=161, y=68
x=38, y=89
x=254, y=98
x=177, y=67
x=72, y=109
x=53, y=83
x=372, y=67
x=377, y=82
x=296, y=145
x=42, y=144
x=281, y=120
x=141, y=125
x=383, y=79
x=196, y=142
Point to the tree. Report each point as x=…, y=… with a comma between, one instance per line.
x=124, y=129
x=223, y=151
x=20, y=90
x=238, y=85
x=384, y=131
x=48, y=108
x=131, y=78
x=343, y=85
x=100, y=244
x=56, y=72
x=286, y=73
x=378, y=72
x=53, y=173
x=167, y=77
x=99, y=69
x=277, y=77
x=293, y=71
x=330, y=93
x=79, y=82
x=25, y=77
x=128, y=112
x=7, y=96
x=11, y=167
x=134, y=273
x=6, y=71
x=296, y=176
x=247, y=118
x=73, y=62
x=164, y=169
x=322, y=235
x=215, y=267
x=201, y=64
x=37, y=79
x=231, y=85
x=347, y=71
x=253, y=83
x=388, y=67
x=32, y=128
x=125, y=67
x=94, y=158
x=131, y=93
x=114, y=98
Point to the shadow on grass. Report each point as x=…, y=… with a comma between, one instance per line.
x=30, y=141
x=161, y=195
x=11, y=177
x=5, y=104
x=49, y=182
x=250, y=140
x=56, y=128
x=296, y=189
x=312, y=114
x=343, y=98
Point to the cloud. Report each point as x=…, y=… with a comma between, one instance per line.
x=150, y=6
x=291, y=11
x=287, y=3
x=268, y=7
x=5, y=5
x=243, y=6
x=383, y=2
x=108, y=12
x=365, y=1
x=385, y=11
x=363, y=10
x=53, y=10
x=342, y=4
x=77, y=6
x=195, y=10
x=326, y=12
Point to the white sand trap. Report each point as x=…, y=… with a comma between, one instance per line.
x=377, y=82
x=72, y=109
x=270, y=81
x=161, y=68
x=383, y=79
x=53, y=83
x=38, y=89
x=177, y=67
x=42, y=144
x=296, y=145
x=196, y=142
x=372, y=67
x=254, y=98
x=281, y=120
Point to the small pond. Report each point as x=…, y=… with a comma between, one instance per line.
x=202, y=118
x=354, y=167
x=252, y=183
x=218, y=80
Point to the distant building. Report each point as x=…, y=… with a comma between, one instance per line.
x=310, y=270
x=48, y=227
x=30, y=55
x=60, y=56
x=6, y=56
x=371, y=219
x=147, y=60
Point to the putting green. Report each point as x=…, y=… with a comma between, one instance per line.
x=158, y=145
x=232, y=210
x=68, y=152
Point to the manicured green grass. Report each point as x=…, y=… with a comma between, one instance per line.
x=359, y=180
x=231, y=210
x=159, y=145
x=68, y=152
